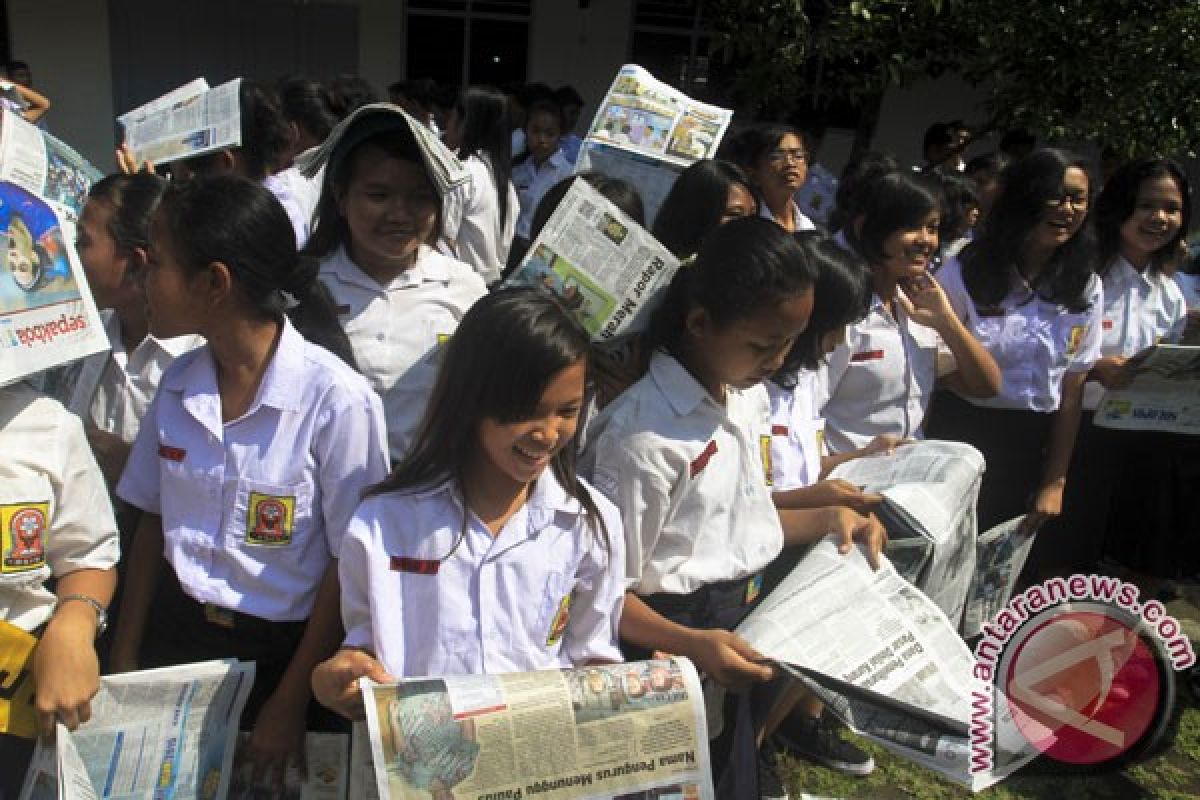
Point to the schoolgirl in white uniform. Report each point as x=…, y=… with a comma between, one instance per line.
x=1026, y=291
x=398, y=299
x=111, y=391
x=683, y=454
x=543, y=163
x=776, y=159
x=706, y=194
x=481, y=216
x=56, y=524
x=880, y=380
x=250, y=461
x=1141, y=218
x=482, y=552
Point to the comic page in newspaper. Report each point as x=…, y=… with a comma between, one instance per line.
x=604, y=267
x=881, y=656
x=167, y=732
x=47, y=315
x=617, y=730
x=188, y=121
x=647, y=132
x=1164, y=394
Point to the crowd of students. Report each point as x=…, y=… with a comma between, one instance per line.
x=337, y=453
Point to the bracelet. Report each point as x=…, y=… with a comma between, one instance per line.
x=101, y=613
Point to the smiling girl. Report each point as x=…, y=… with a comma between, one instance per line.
x=398, y=298
x=879, y=382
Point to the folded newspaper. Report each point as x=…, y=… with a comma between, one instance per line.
x=646, y=132
x=1164, y=394
x=607, y=270
x=160, y=733
x=621, y=730
x=44, y=165
x=883, y=658
x=189, y=121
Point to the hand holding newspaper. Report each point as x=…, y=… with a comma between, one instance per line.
x=188, y=121
x=1164, y=394
x=604, y=267
x=167, y=732
x=595, y=732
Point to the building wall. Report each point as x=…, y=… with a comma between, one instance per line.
x=580, y=47
x=67, y=46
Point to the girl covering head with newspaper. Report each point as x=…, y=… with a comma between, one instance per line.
x=483, y=552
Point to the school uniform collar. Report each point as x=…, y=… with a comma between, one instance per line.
x=428, y=268
x=283, y=383
x=174, y=347
x=546, y=500
x=1123, y=274
x=683, y=392
x=556, y=161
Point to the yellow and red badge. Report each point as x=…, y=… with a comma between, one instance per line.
x=270, y=520
x=559, y=626
x=1075, y=340
x=764, y=449
x=23, y=527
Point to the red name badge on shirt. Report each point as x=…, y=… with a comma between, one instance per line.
x=171, y=453
x=1108, y=324
x=866, y=355
x=701, y=461
x=417, y=566
x=779, y=430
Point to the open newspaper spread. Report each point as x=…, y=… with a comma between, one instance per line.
x=327, y=756
x=47, y=315
x=185, y=122
x=605, y=268
x=607, y=731
x=160, y=733
x=882, y=657
x=1164, y=394
x=929, y=488
x=647, y=132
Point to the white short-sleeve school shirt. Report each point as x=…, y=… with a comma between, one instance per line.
x=803, y=223
x=396, y=330
x=691, y=478
x=55, y=515
x=432, y=593
x=113, y=390
x=532, y=181
x=797, y=433
x=299, y=196
x=1189, y=286
x=1141, y=309
x=472, y=219
x=880, y=380
x=254, y=509
x=1035, y=342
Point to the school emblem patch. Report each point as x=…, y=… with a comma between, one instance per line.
x=1075, y=339
x=270, y=520
x=559, y=625
x=24, y=536
x=764, y=449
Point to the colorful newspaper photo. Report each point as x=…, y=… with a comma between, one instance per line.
x=1164, y=394
x=47, y=316
x=44, y=165
x=619, y=730
x=604, y=267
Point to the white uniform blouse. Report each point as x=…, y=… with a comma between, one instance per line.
x=55, y=515
x=690, y=477
x=1035, y=342
x=254, y=509
x=395, y=330
x=797, y=433
x=532, y=182
x=472, y=220
x=544, y=593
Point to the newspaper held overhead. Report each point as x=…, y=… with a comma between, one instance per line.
x=881, y=656
x=647, y=132
x=153, y=734
x=47, y=315
x=604, y=267
x=1164, y=394
x=44, y=165
x=929, y=490
x=189, y=121
x=595, y=732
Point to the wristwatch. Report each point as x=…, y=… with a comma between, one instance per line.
x=101, y=613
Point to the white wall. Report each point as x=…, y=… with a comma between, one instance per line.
x=907, y=112
x=66, y=45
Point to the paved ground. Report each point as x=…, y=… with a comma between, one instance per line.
x=1172, y=775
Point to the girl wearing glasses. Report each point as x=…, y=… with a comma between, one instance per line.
x=776, y=160
x=1026, y=291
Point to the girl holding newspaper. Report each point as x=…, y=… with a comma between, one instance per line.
x=483, y=552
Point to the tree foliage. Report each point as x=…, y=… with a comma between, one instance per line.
x=1118, y=73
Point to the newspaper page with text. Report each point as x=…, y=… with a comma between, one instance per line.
x=647, y=132
x=605, y=268
x=167, y=732
x=616, y=730
x=186, y=122
x=44, y=165
x=1164, y=394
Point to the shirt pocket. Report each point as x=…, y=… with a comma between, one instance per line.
x=26, y=510
x=555, y=609
x=270, y=516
